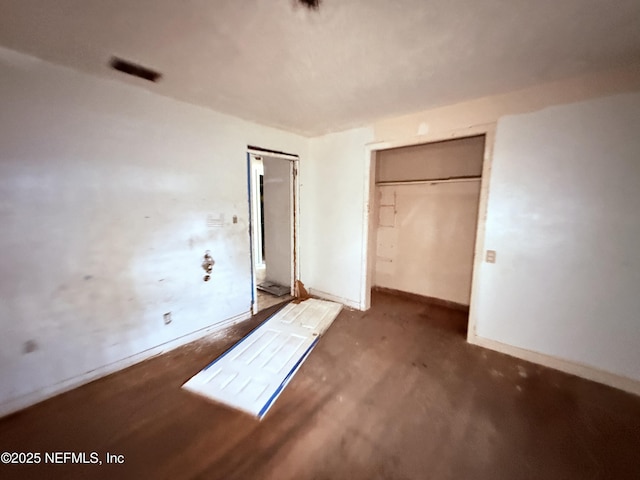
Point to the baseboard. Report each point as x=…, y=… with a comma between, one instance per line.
x=45, y=393
x=590, y=373
x=334, y=298
x=423, y=298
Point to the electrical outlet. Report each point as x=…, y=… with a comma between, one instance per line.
x=167, y=318
x=491, y=256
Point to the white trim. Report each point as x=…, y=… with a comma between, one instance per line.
x=367, y=261
x=260, y=153
x=590, y=373
x=45, y=393
x=434, y=137
x=478, y=254
x=292, y=227
x=295, y=217
x=295, y=205
x=253, y=218
x=334, y=298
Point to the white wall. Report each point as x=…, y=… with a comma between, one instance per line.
x=426, y=239
x=109, y=197
x=277, y=220
x=332, y=189
x=563, y=217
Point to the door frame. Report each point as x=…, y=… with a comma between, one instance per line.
x=370, y=211
x=294, y=193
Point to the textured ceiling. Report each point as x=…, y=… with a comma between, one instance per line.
x=344, y=65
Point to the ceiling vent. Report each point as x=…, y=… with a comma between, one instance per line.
x=134, y=69
x=310, y=4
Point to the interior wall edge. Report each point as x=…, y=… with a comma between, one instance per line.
x=573, y=368
x=422, y=298
x=335, y=298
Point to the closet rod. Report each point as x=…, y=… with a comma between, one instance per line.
x=420, y=182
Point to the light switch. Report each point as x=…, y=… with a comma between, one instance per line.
x=491, y=256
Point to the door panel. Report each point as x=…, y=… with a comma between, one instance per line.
x=251, y=374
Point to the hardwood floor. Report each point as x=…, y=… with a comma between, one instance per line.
x=392, y=393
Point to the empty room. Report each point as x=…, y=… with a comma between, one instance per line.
x=320, y=239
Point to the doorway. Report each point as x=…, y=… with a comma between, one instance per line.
x=426, y=202
x=273, y=230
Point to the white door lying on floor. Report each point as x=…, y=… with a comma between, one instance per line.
x=251, y=374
